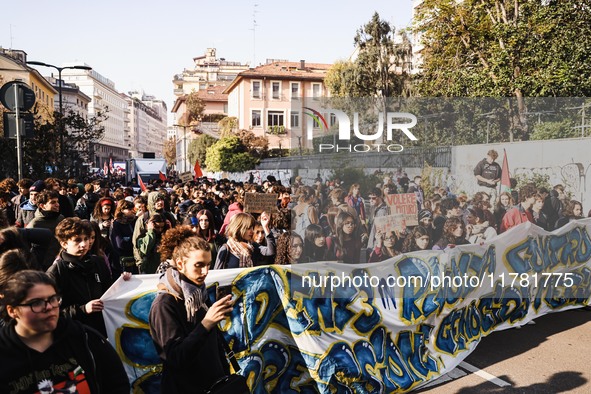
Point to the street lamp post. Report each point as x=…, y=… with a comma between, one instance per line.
x=184, y=145
x=59, y=90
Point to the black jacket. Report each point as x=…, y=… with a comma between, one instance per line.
x=74, y=345
x=225, y=259
x=80, y=281
x=193, y=359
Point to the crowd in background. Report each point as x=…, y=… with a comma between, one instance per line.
x=326, y=220
x=86, y=236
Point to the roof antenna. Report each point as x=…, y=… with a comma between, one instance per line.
x=254, y=26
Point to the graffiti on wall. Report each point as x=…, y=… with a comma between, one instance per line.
x=572, y=175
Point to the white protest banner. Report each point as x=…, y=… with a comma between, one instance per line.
x=403, y=204
x=260, y=202
x=392, y=326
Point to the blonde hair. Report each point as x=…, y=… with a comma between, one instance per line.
x=239, y=225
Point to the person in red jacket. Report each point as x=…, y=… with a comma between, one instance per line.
x=522, y=212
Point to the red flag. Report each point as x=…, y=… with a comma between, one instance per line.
x=197, y=169
x=142, y=186
x=105, y=168
x=111, y=165
x=161, y=176
x=505, y=176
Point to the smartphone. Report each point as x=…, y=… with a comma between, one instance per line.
x=222, y=291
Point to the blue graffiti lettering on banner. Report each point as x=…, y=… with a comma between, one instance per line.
x=277, y=367
x=537, y=254
x=365, y=322
x=555, y=294
x=260, y=304
x=467, y=325
x=420, y=302
x=380, y=364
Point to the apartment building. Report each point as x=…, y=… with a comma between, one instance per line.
x=104, y=98
x=13, y=66
x=271, y=99
x=147, y=125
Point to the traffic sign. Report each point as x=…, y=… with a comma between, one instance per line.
x=26, y=97
x=27, y=125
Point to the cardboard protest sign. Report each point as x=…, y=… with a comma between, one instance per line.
x=186, y=176
x=385, y=224
x=405, y=205
x=260, y=202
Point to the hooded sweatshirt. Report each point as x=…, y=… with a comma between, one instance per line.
x=48, y=220
x=26, y=213
x=145, y=242
x=79, y=358
x=233, y=209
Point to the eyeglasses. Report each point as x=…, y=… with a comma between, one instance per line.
x=373, y=198
x=38, y=306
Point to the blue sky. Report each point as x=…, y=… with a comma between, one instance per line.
x=140, y=45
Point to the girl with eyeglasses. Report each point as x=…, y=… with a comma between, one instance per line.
x=43, y=352
x=385, y=247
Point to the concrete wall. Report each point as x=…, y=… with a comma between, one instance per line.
x=567, y=162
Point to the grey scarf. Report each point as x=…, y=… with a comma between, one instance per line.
x=195, y=297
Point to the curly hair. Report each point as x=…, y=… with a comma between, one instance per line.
x=97, y=213
x=173, y=240
x=451, y=224
x=284, y=242
x=71, y=227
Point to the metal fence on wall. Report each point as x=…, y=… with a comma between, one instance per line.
x=410, y=157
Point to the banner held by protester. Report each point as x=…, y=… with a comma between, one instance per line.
x=329, y=325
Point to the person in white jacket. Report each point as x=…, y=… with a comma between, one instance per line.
x=478, y=229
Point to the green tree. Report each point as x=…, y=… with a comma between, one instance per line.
x=229, y=154
x=257, y=147
x=517, y=48
x=380, y=68
x=195, y=108
x=198, y=148
x=41, y=154
x=227, y=125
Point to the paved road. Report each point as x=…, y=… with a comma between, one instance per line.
x=552, y=356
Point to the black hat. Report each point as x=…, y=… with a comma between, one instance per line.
x=37, y=187
x=425, y=214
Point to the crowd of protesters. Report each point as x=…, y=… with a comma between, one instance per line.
x=326, y=220
x=86, y=236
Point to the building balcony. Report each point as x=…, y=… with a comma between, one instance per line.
x=178, y=92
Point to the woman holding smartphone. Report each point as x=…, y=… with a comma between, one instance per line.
x=183, y=322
